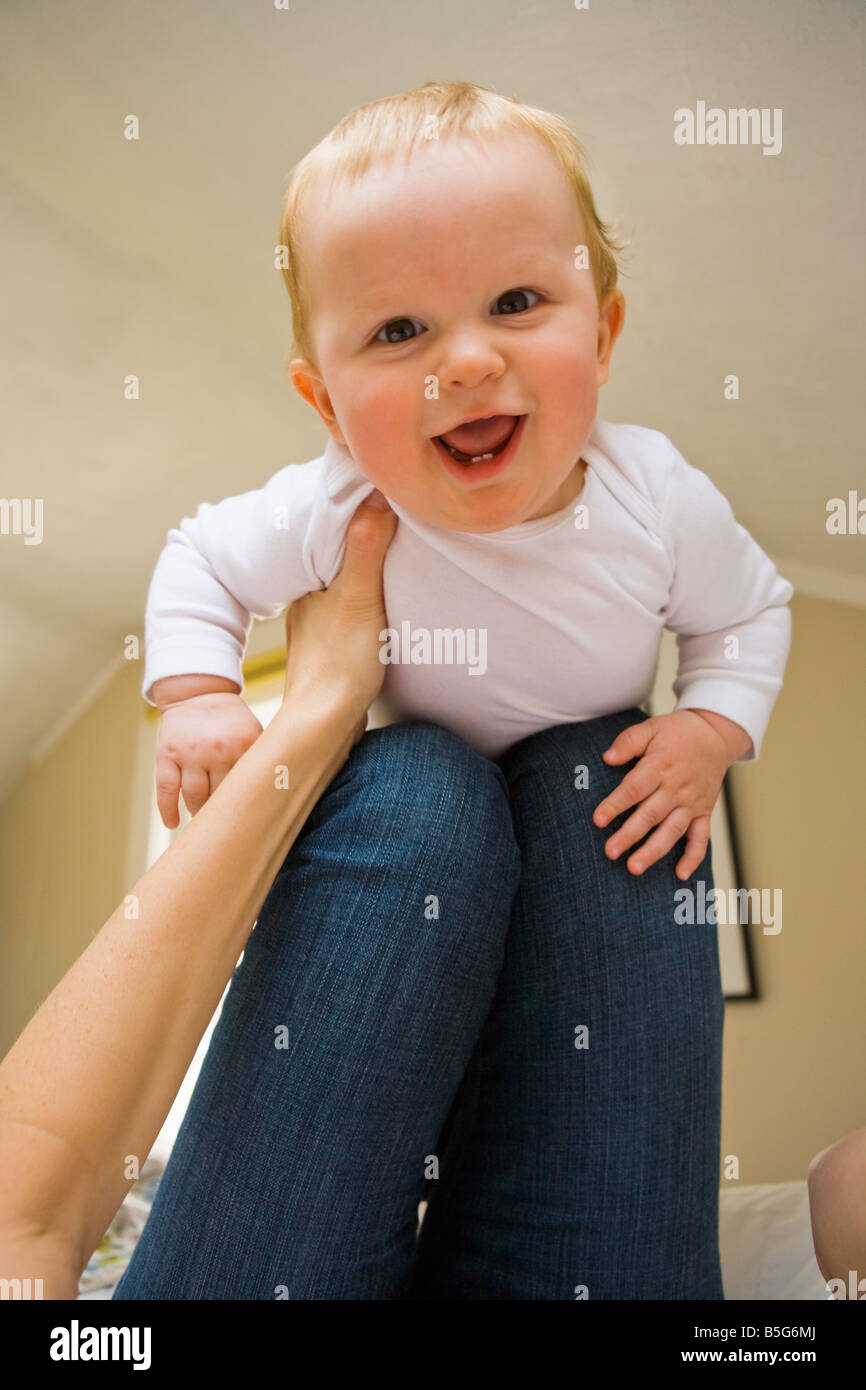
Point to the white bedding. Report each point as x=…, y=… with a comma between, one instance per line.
x=765, y=1240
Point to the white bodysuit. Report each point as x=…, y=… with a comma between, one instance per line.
x=545, y=623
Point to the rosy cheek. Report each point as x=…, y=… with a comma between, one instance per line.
x=366, y=431
x=379, y=424
x=374, y=442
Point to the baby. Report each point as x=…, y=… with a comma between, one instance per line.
x=455, y=309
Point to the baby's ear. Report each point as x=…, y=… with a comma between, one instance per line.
x=301, y=374
x=309, y=384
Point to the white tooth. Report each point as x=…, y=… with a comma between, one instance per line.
x=477, y=458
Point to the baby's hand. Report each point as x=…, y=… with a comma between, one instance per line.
x=677, y=781
x=200, y=740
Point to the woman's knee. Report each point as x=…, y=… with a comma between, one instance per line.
x=588, y=738
x=558, y=777
x=563, y=767
x=419, y=793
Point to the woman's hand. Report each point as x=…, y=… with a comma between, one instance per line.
x=332, y=642
x=332, y=635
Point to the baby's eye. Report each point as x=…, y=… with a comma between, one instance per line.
x=395, y=324
x=518, y=295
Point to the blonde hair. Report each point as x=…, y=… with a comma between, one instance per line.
x=401, y=122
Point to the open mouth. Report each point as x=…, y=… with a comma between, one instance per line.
x=476, y=470
x=466, y=460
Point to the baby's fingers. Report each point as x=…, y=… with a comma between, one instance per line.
x=167, y=790
x=650, y=812
x=671, y=829
x=696, y=846
x=636, y=786
x=196, y=788
x=631, y=743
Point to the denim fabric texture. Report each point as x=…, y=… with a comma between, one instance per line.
x=472, y=989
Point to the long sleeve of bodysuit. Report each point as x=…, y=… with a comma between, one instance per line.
x=727, y=605
x=247, y=556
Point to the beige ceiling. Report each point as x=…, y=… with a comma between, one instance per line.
x=155, y=257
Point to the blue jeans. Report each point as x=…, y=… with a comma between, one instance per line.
x=452, y=993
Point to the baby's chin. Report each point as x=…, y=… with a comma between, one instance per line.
x=472, y=513
x=484, y=510
x=495, y=505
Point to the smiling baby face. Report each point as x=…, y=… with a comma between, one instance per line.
x=454, y=272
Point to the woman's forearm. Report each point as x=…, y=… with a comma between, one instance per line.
x=92, y=1077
